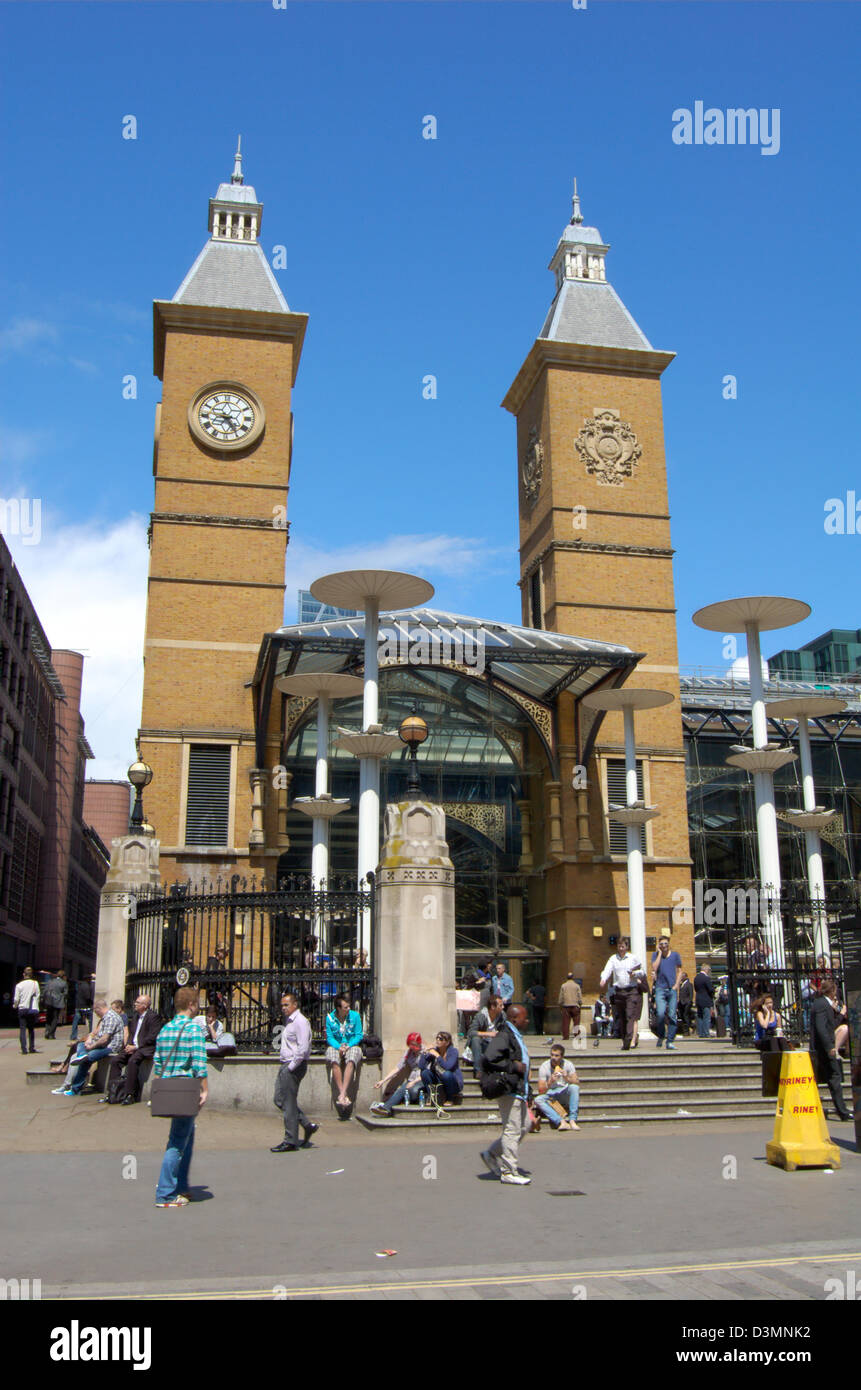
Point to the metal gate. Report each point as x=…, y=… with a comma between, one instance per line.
x=244, y=944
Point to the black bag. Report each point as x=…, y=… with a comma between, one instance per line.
x=116, y=1091
x=175, y=1097
x=372, y=1048
x=496, y=1076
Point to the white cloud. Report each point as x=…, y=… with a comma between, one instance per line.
x=88, y=584
x=26, y=333
x=19, y=446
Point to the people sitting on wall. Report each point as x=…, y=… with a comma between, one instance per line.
x=106, y=1040
x=768, y=1027
x=118, y=1006
x=140, y=1037
x=441, y=1067
x=344, y=1034
x=557, y=1081
x=407, y=1077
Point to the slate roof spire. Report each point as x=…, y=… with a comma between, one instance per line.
x=586, y=309
x=231, y=271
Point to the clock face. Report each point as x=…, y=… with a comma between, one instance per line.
x=225, y=415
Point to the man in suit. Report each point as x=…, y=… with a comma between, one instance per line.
x=143, y=1031
x=823, y=1047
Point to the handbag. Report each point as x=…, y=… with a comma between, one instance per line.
x=175, y=1097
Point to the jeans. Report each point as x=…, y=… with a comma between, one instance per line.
x=569, y=1095
x=446, y=1079
x=95, y=1054
x=173, y=1178
x=399, y=1096
x=704, y=1020
x=81, y=1016
x=26, y=1025
x=666, y=1008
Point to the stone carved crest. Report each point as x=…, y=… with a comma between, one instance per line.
x=608, y=447
x=532, y=468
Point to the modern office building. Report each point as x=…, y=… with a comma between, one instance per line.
x=311, y=610
x=836, y=653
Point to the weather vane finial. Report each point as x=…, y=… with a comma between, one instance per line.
x=576, y=214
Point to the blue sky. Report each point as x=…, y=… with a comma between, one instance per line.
x=415, y=257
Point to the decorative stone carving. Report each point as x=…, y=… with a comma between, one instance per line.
x=608, y=447
x=296, y=707
x=532, y=467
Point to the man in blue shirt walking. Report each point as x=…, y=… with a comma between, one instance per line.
x=666, y=972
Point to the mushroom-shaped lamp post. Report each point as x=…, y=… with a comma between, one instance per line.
x=324, y=687
x=812, y=818
x=753, y=615
x=634, y=813
x=370, y=590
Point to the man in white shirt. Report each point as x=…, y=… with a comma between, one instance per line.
x=622, y=971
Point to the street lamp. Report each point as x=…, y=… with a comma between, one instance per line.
x=140, y=776
x=413, y=731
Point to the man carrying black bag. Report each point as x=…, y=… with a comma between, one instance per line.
x=505, y=1078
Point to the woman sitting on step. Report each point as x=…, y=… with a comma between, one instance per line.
x=408, y=1075
x=441, y=1067
x=768, y=1027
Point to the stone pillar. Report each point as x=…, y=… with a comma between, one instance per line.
x=554, y=791
x=283, y=789
x=257, y=777
x=415, y=929
x=526, y=860
x=584, y=839
x=134, y=866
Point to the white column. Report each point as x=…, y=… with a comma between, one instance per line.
x=636, y=888
x=369, y=768
x=812, y=843
x=766, y=818
x=320, y=827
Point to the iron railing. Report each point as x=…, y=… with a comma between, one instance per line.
x=243, y=943
x=781, y=953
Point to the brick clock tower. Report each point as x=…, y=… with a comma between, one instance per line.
x=596, y=562
x=227, y=349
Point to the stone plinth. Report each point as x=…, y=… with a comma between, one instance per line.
x=415, y=928
x=134, y=866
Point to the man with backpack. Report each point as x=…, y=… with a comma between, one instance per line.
x=504, y=1078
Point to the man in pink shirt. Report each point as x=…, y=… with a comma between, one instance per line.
x=295, y=1051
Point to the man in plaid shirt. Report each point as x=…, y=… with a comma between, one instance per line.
x=106, y=1040
x=187, y=1057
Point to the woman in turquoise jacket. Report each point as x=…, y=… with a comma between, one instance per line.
x=343, y=1035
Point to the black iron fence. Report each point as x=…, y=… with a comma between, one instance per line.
x=788, y=947
x=243, y=944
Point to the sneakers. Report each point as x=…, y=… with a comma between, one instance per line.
x=671, y=1047
x=515, y=1179
x=491, y=1163
x=378, y=1108
x=174, y=1202
x=62, y=1091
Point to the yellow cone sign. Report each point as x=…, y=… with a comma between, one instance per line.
x=800, y=1139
